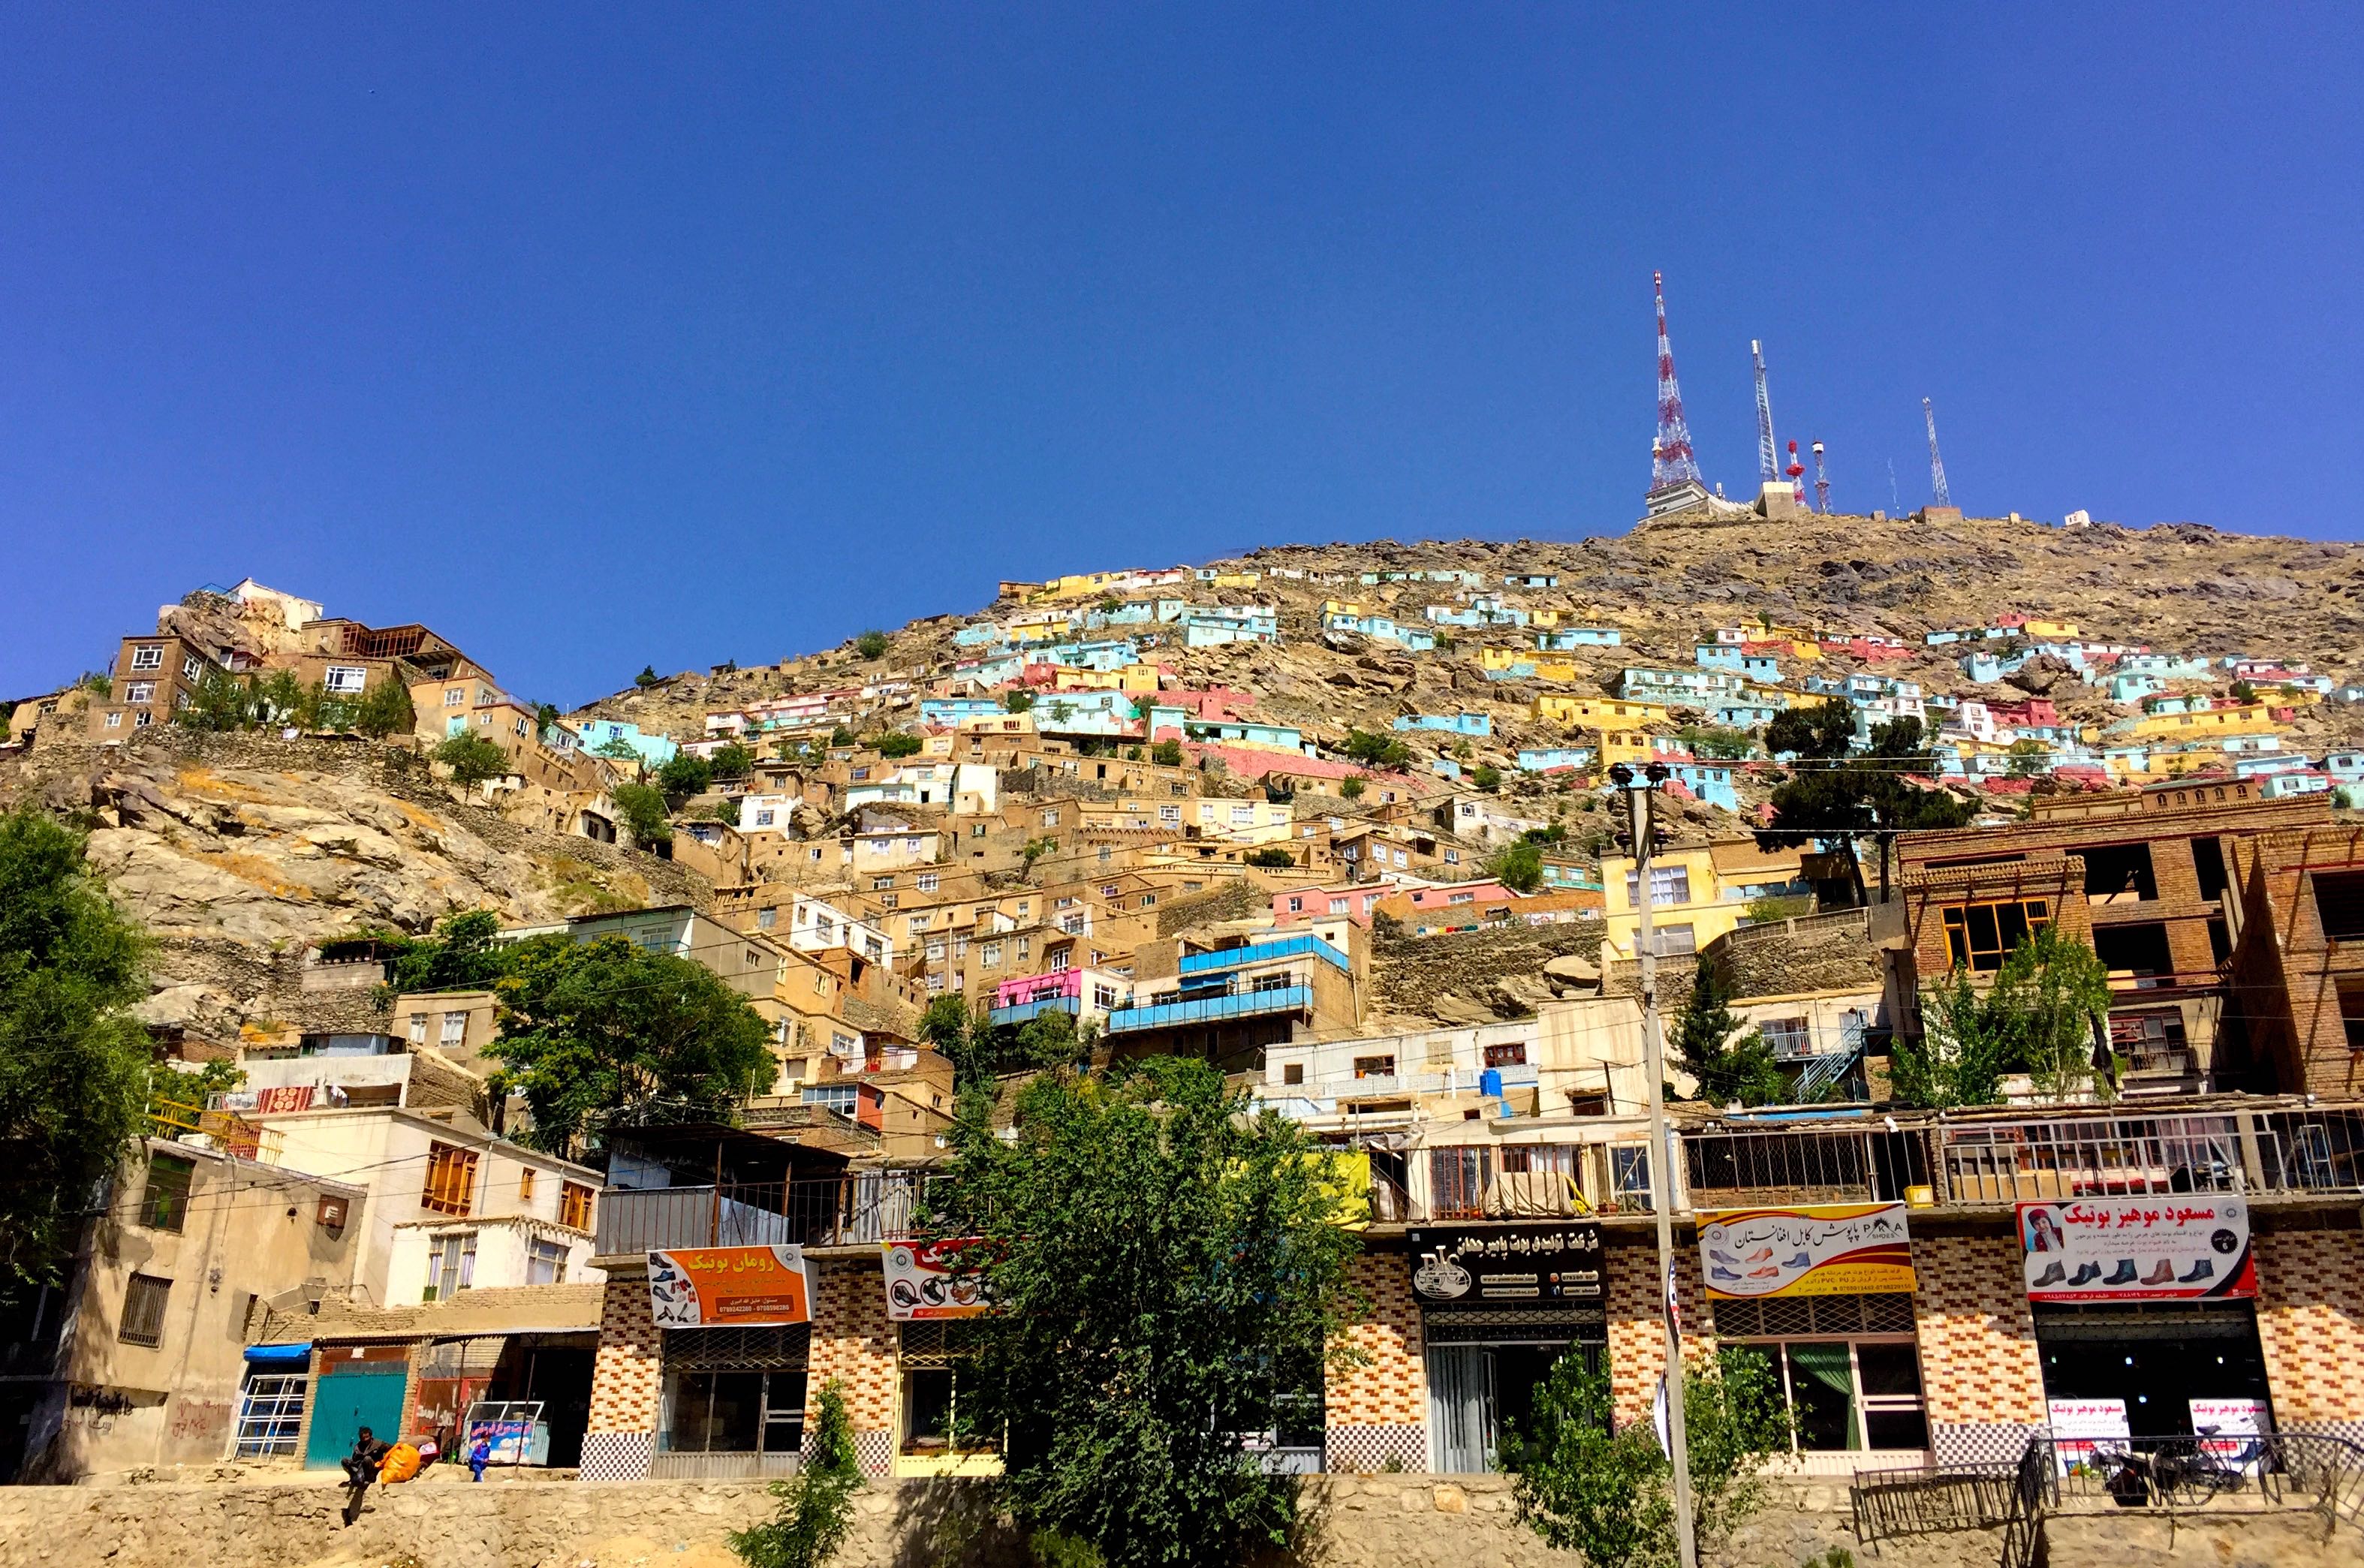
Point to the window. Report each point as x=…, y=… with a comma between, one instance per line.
x=450, y=1264
x=2339, y=900
x=574, y=1205
x=418, y=1029
x=115, y=722
x=1669, y=884
x=143, y=1310
x=838, y=1097
x=1677, y=939
x=1980, y=936
x=270, y=1414
x=545, y=1263
x=148, y=656
x=164, y=1204
x=927, y=882
x=140, y=692
x=189, y=667
x=1511, y=1055
x=1337, y=907
x=451, y=1180
x=345, y=678
x=142, y=720
x=1375, y=1067
x=1788, y=1036
x=455, y=1028
x=1847, y=1394
x=330, y=1216
x=1294, y=1073
x=455, y=696
x=525, y=1184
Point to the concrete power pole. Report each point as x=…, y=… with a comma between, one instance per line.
x=1662, y=1175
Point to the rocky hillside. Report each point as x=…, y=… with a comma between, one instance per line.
x=238, y=852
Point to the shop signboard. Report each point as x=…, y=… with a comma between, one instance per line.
x=2080, y=1427
x=704, y=1287
x=1827, y=1249
x=921, y=1286
x=2176, y=1247
x=1490, y=1264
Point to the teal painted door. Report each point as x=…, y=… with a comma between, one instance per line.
x=344, y=1401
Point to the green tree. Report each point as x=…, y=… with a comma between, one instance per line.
x=545, y=717
x=2244, y=692
x=730, y=762
x=725, y=810
x=1166, y=753
x=1716, y=744
x=871, y=645
x=1519, y=867
x=1353, y=785
x=463, y=955
x=604, y=1034
x=2041, y=1015
x=1834, y=795
x=2027, y=758
x=898, y=743
x=647, y=677
x=1376, y=750
x=1586, y=1484
x=220, y=702
x=840, y=736
x=1168, y=1265
x=1272, y=857
x=73, y=1061
x=619, y=749
x=645, y=814
x=385, y=711
x=816, y=1511
x=686, y=774
x=1486, y=777
x=1017, y=699
x=1718, y=1047
x=471, y=759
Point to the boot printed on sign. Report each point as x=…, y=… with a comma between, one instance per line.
x=2126, y=1273
x=2202, y=1268
x=2086, y=1273
x=2053, y=1274
x=2163, y=1275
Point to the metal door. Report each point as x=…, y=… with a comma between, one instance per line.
x=348, y=1397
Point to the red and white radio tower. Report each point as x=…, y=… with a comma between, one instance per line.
x=1672, y=466
x=1797, y=472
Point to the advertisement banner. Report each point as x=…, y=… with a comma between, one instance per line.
x=2228, y=1428
x=2179, y=1247
x=921, y=1286
x=1826, y=1249
x=1472, y=1265
x=2081, y=1426
x=704, y=1287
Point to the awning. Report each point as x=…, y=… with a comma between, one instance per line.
x=276, y=1355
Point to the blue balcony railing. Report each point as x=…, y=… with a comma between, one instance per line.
x=1261, y=953
x=1035, y=1009
x=1212, y=1009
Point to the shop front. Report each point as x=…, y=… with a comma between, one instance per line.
x=736, y=1327
x=2146, y=1318
x=1500, y=1305
x=1824, y=1292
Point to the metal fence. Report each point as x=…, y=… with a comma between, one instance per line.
x=2183, y=1474
x=859, y=1207
x=2008, y=1163
x=1891, y=1504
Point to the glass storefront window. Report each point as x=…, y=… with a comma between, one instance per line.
x=1848, y=1396
x=734, y=1390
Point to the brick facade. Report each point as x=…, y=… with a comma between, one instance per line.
x=619, y=1442
x=2311, y=1327
x=2287, y=982
x=1981, y=1375
x=1376, y=1402
x=1637, y=1333
x=854, y=1344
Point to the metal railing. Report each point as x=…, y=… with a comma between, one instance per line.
x=1212, y=1009
x=1259, y=952
x=2183, y=1474
x=1891, y=1504
x=860, y=1208
x=2009, y=1163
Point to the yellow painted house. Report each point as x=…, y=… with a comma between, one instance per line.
x=1133, y=680
x=2239, y=719
x=1597, y=712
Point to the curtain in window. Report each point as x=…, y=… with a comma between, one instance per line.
x=1460, y=1408
x=1822, y=1387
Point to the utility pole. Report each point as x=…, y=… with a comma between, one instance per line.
x=1662, y=1175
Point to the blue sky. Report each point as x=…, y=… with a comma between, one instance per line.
x=608, y=336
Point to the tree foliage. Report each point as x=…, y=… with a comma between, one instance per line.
x=1017, y=699
x=898, y=743
x=1519, y=867
x=644, y=813
x=1272, y=857
x=647, y=677
x=686, y=774
x=1717, y=744
x=815, y=1512
x=1166, y=753
x=460, y=956
x=2036, y=1017
x=73, y=1061
x=1167, y=1267
x=1486, y=776
x=730, y=762
x=871, y=645
x=1586, y=1484
x=1376, y=750
x=1717, y=1047
x=606, y=1033
x=982, y=1051
x=471, y=759
x=1836, y=793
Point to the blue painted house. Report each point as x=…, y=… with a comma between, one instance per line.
x=1457, y=723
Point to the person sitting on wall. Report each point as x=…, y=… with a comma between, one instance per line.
x=361, y=1470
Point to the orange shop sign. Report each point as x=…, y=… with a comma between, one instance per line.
x=704, y=1287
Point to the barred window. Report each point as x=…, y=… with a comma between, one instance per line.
x=164, y=1204
x=143, y=1310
